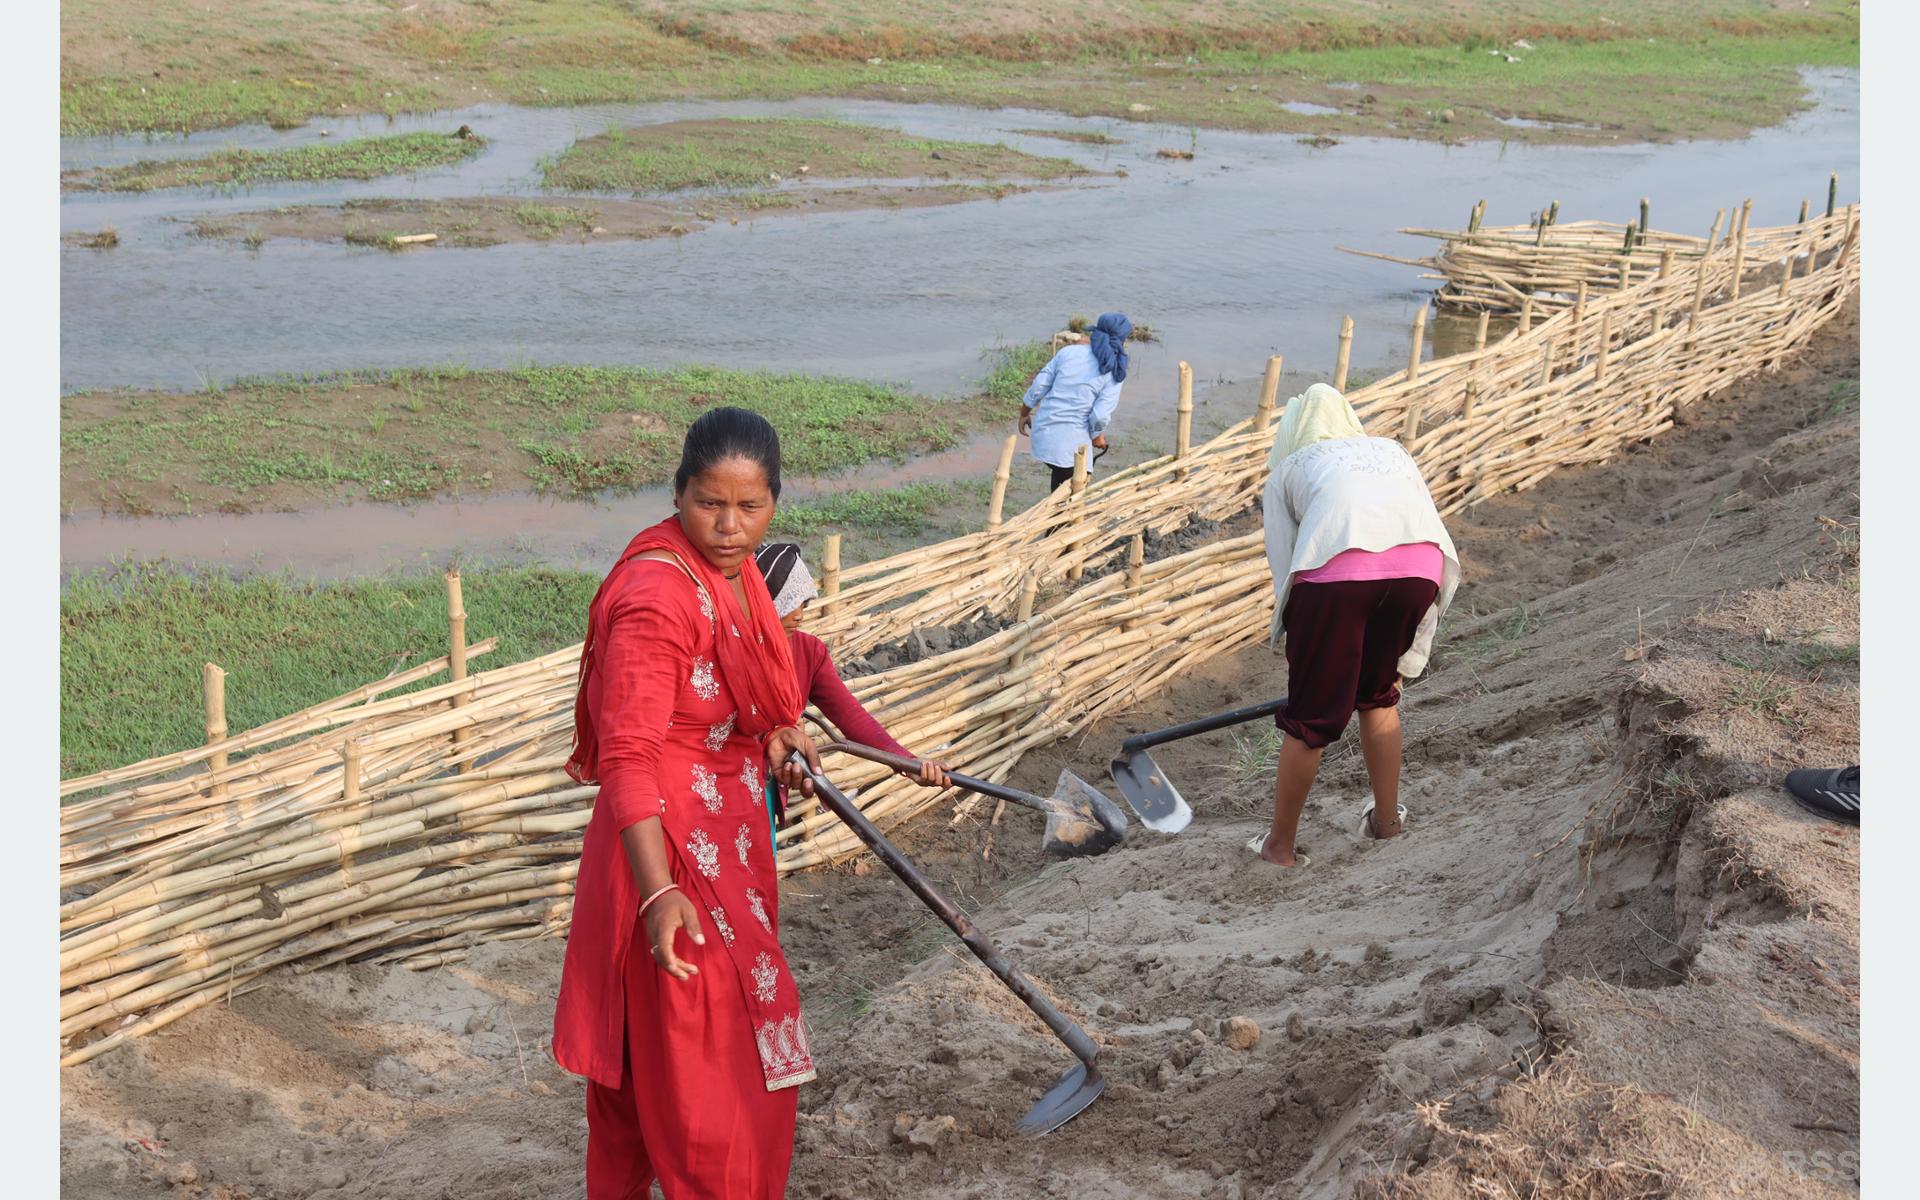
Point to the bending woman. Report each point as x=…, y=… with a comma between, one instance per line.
x=1362, y=569
x=675, y=1000
x=791, y=585
x=1073, y=397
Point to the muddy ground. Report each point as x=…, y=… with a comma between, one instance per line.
x=1609, y=953
x=503, y=220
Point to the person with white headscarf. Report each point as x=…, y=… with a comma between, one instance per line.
x=1362, y=570
x=792, y=587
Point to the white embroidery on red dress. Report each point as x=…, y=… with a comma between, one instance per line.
x=743, y=842
x=717, y=735
x=750, y=775
x=759, y=908
x=719, y=916
x=766, y=978
x=783, y=1044
x=706, y=785
x=706, y=855
x=704, y=684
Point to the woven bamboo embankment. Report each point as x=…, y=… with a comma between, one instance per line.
x=342, y=832
x=1544, y=267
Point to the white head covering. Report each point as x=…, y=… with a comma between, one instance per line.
x=787, y=573
x=1319, y=414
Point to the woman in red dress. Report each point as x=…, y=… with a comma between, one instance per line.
x=690, y=1034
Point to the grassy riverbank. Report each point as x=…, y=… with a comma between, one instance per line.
x=1665, y=68
x=132, y=641
x=404, y=435
x=359, y=158
x=669, y=157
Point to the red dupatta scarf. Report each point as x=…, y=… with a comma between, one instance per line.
x=758, y=665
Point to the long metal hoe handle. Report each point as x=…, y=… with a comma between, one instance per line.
x=1076, y=1038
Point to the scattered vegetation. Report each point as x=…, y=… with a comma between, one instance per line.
x=408, y=434
x=105, y=239
x=132, y=640
x=1084, y=137
x=907, y=509
x=1011, y=371
x=759, y=152
x=361, y=158
x=1666, y=67
x=546, y=220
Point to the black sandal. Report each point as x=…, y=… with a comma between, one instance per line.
x=1833, y=794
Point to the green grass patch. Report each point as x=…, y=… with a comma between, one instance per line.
x=132, y=641
x=361, y=158
x=547, y=220
x=758, y=152
x=407, y=434
x=1011, y=370
x=908, y=509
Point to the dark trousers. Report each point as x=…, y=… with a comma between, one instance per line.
x=1344, y=642
x=1060, y=476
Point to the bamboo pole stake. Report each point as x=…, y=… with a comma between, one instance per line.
x=1473, y=218
x=1526, y=314
x=1345, y=357
x=350, y=770
x=1269, y=394
x=1606, y=336
x=457, y=651
x=1803, y=213
x=1029, y=589
x=1076, y=487
x=1833, y=191
x=213, y=690
x=1719, y=214
x=1001, y=474
x=1740, y=248
x=1473, y=383
x=1411, y=429
x=830, y=574
x=1183, y=433
x=1644, y=211
x=1580, y=303
x=1136, y=560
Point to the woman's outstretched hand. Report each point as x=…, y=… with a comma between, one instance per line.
x=665, y=917
x=781, y=744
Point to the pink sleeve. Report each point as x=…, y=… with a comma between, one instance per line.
x=827, y=692
x=646, y=657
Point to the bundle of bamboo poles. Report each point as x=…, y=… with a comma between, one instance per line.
x=1547, y=265
x=409, y=828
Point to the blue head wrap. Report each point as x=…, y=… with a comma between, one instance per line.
x=1108, y=341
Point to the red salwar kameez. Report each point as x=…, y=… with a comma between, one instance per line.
x=690, y=1081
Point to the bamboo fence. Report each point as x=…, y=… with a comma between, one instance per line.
x=1547, y=266
x=407, y=828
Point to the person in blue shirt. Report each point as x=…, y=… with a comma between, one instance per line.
x=1073, y=397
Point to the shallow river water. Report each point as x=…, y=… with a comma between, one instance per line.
x=1231, y=256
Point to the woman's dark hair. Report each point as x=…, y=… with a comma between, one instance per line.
x=727, y=432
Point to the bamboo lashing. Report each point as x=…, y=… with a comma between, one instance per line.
x=1002, y=472
x=173, y=900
